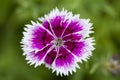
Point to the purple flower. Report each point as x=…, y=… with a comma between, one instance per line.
x=59, y=40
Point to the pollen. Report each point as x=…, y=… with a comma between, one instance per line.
x=58, y=42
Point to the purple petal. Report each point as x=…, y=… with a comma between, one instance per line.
x=40, y=38
x=58, y=24
x=47, y=26
x=64, y=59
x=50, y=57
x=73, y=27
x=72, y=37
x=38, y=56
x=75, y=47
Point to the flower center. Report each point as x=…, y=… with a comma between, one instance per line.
x=58, y=42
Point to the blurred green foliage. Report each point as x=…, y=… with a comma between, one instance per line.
x=14, y=14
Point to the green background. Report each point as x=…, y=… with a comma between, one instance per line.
x=105, y=16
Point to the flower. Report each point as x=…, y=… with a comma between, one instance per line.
x=59, y=40
x=113, y=65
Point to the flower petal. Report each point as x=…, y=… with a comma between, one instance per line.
x=47, y=25
x=72, y=37
x=75, y=47
x=40, y=38
x=37, y=57
x=64, y=63
x=50, y=58
x=74, y=26
x=82, y=49
x=58, y=25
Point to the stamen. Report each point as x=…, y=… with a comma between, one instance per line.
x=58, y=42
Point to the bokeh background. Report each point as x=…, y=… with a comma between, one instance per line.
x=105, y=16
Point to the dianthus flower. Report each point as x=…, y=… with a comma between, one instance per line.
x=59, y=40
